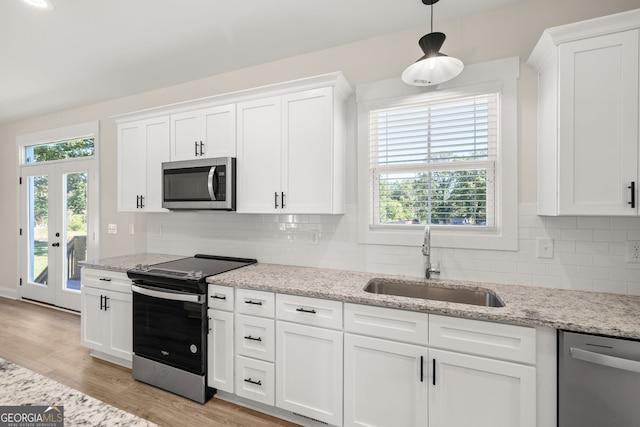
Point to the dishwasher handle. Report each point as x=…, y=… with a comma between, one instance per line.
x=605, y=360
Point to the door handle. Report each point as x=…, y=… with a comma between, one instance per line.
x=632, y=187
x=605, y=360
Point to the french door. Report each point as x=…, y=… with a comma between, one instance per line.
x=55, y=231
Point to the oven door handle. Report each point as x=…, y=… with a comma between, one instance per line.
x=164, y=294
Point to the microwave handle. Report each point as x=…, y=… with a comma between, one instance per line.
x=211, y=183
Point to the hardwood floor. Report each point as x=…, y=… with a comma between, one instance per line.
x=47, y=341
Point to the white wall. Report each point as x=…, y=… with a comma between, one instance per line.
x=497, y=34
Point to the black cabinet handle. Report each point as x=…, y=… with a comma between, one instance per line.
x=201, y=148
x=434, y=371
x=101, y=302
x=275, y=199
x=304, y=310
x=421, y=369
x=55, y=245
x=282, y=199
x=105, y=279
x=249, y=380
x=632, y=187
x=138, y=202
x=106, y=303
x=141, y=201
x=249, y=337
x=253, y=302
x=222, y=297
x=195, y=146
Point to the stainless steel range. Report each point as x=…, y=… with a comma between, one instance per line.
x=170, y=322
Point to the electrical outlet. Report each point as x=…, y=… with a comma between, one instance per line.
x=544, y=247
x=313, y=239
x=633, y=251
x=112, y=229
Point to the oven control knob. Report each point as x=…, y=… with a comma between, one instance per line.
x=193, y=348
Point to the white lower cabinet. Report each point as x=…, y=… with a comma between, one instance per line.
x=220, y=350
x=106, y=319
x=391, y=383
x=476, y=391
x=309, y=371
x=385, y=382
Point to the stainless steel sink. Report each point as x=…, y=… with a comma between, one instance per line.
x=407, y=288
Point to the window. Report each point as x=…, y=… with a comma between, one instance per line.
x=433, y=162
x=446, y=157
x=59, y=150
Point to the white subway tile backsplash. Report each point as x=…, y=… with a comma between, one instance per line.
x=589, y=252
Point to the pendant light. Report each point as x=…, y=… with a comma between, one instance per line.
x=434, y=67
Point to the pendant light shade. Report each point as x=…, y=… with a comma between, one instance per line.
x=433, y=67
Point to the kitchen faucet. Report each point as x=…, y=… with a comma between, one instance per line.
x=426, y=251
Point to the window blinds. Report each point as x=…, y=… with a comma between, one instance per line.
x=434, y=162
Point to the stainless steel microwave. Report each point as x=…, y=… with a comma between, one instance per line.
x=199, y=184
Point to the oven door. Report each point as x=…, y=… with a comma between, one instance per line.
x=170, y=327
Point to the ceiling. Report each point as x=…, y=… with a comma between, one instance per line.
x=88, y=51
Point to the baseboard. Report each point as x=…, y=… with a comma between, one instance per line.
x=9, y=293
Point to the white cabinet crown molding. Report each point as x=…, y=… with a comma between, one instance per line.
x=335, y=79
x=553, y=37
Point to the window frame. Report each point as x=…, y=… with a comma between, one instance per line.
x=498, y=75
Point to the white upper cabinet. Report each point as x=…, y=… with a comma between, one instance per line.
x=204, y=133
x=142, y=147
x=588, y=94
x=291, y=151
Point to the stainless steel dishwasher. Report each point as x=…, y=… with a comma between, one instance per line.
x=598, y=381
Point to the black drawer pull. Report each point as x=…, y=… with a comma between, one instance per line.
x=249, y=380
x=253, y=302
x=434, y=371
x=421, y=368
x=249, y=337
x=105, y=279
x=304, y=310
x=632, y=187
x=222, y=297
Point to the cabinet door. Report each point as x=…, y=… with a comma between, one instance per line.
x=220, y=350
x=480, y=392
x=93, y=321
x=142, y=147
x=309, y=371
x=598, y=124
x=186, y=135
x=385, y=383
x=308, y=172
x=156, y=132
x=258, y=162
x=219, y=131
x=132, y=166
x=119, y=312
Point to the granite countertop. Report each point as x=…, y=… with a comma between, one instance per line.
x=590, y=312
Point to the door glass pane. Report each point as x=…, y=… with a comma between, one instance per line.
x=76, y=228
x=38, y=191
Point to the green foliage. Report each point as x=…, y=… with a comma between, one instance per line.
x=437, y=197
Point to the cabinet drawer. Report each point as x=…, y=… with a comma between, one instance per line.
x=105, y=279
x=309, y=311
x=255, y=337
x=497, y=340
x=397, y=325
x=255, y=380
x=220, y=297
x=255, y=303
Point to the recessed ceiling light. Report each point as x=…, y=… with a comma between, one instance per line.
x=40, y=4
